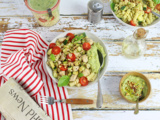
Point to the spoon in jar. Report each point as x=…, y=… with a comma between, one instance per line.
x=136, y=111
x=99, y=96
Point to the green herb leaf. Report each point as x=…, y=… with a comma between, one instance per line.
x=144, y=8
x=80, y=75
x=156, y=1
x=52, y=57
x=78, y=37
x=112, y=6
x=123, y=7
x=65, y=42
x=63, y=81
x=84, y=34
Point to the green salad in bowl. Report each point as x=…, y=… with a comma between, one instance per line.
x=136, y=12
x=72, y=59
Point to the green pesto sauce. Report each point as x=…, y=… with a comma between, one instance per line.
x=42, y=5
x=93, y=56
x=132, y=87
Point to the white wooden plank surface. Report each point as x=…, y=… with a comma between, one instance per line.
x=109, y=30
x=115, y=115
x=67, y=7
x=112, y=33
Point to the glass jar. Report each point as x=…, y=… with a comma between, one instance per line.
x=134, y=45
x=46, y=12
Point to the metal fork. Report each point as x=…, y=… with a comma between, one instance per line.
x=51, y=100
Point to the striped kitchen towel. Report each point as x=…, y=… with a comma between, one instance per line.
x=22, y=54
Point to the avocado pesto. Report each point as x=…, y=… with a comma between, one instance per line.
x=133, y=86
x=93, y=57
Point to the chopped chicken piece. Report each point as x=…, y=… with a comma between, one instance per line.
x=86, y=72
x=70, y=63
x=61, y=39
x=62, y=73
x=77, y=54
x=85, y=58
x=59, y=62
x=75, y=68
x=89, y=41
x=73, y=78
x=62, y=57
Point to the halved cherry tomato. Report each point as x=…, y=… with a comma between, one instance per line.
x=148, y=10
x=56, y=50
x=83, y=81
x=86, y=46
x=132, y=23
x=52, y=45
x=42, y=20
x=71, y=36
x=71, y=57
x=62, y=68
x=158, y=7
x=52, y=18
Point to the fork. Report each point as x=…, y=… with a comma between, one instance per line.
x=51, y=100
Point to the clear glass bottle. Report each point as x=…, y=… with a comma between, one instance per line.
x=134, y=45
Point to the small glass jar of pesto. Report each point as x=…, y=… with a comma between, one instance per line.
x=46, y=12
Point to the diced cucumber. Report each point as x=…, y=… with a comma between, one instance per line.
x=70, y=69
x=64, y=62
x=49, y=52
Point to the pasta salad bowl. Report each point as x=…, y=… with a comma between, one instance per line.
x=135, y=14
x=65, y=65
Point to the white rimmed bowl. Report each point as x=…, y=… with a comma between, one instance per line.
x=153, y=23
x=95, y=39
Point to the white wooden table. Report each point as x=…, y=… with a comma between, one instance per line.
x=14, y=15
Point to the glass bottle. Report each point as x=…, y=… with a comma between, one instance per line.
x=134, y=45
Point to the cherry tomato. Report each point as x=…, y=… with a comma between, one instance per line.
x=71, y=36
x=52, y=18
x=86, y=46
x=71, y=57
x=132, y=23
x=148, y=10
x=83, y=81
x=158, y=7
x=56, y=50
x=52, y=45
x=62, y=68
x=42, y=20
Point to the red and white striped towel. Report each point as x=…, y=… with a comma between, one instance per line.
x=22, y=54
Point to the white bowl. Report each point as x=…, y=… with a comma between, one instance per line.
x=153, y=23
x=95, y=39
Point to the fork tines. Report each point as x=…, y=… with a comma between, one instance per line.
x=44, y=99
